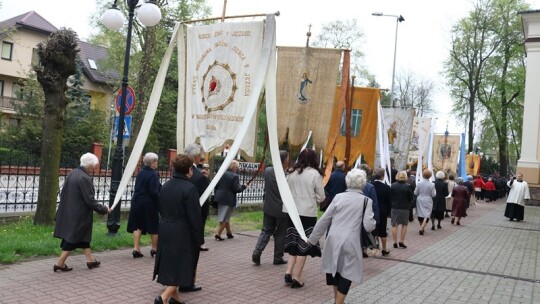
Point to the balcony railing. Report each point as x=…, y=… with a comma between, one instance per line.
x=9, y=103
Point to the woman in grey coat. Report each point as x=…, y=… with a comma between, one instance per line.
x=342, y=254
x=74, y=216
x=425, y=192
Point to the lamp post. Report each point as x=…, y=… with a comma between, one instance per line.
x=398, y=20
x=149, y=15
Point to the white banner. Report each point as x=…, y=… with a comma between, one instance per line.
x=222, y=60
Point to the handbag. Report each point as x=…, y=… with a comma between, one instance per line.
x=213, y=203
x=368, y=240
x=324, y=204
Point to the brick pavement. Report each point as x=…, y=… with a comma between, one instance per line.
x=486, y=260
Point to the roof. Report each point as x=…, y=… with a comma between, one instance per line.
x=34, y=22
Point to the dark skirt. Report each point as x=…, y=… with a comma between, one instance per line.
x=143, y=215
x=67, y=246
x=437, y=215
x=294, y=245
x=514, y=211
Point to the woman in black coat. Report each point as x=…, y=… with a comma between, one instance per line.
x=384, y=199
x=74, y=216
x=143, y=214
x=225, y=195
x=439, y=201
x=180, y=232
x=402, y=197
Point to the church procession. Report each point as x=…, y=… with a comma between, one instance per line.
x=358, y=193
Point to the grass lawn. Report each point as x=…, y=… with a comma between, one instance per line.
x=22, y=240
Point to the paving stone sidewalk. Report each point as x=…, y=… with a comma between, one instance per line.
x=486, y=260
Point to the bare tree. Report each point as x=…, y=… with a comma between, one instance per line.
x=415, y=92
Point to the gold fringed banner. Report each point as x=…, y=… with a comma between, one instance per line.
x=363, y=126
x=306, y=81
x=473, y=164
x=445, y=153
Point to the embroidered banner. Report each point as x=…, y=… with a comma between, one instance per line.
x=398, y=122
x=419, y=142
x=306, y=82
x=445, y=153
x=473, y=164
x=221, y=63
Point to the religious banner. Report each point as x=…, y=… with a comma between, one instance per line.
x=398, y=122
x=472, y=163
x=306, y=82
x=220, y=66
x=445, y=153
x=419, y=143
x=363, y=126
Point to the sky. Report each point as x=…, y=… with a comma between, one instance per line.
x=422, y=46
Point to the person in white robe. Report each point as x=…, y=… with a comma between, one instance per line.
x=342, y=259
x=518, y=195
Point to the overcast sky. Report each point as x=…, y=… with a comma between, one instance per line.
x=422, y=45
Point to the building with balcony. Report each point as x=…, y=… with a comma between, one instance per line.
x=19, y=37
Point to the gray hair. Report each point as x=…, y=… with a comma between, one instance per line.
x=89, y=160
x=149, y=158
x=440, y=175
x=356, y=179
x=459, y=180
x=193, y=150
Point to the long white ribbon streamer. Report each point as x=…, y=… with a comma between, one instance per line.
x=181, y=104
x=148, y=119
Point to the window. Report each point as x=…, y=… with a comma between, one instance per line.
x=35, y=57
x=92, y=64
x=14, y=122
x=17, y=91
x=356, y=122
x=7, y=50
x=1, y=88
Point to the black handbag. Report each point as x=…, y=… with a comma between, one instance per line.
x=368, y=240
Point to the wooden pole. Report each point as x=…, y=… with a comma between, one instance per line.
x=227, y=17
x=224, y=9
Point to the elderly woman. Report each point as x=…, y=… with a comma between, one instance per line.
x=143, y=214
x=180, y=232
x=74, y=216
x=425, y=192
x=225, y=196
x=439, y=202
x=402, y=197
x=306, y=184
x=459, y=203
x=341, y=258
x=384, y=199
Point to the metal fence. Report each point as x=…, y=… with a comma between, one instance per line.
x=19, y=179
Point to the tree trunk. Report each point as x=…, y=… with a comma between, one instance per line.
x=471, y=123
x=53, y=126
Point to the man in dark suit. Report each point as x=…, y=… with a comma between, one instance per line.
x=274, y=219
x=194, y=152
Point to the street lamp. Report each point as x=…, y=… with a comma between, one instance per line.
x=149, y=15
x=398, y=20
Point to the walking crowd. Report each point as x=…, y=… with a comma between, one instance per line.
x=356, y=204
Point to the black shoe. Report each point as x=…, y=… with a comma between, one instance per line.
x=280, y=262
x=288, y=279
x=137, y=254
x=65, y=268
x=364, y=255
x=158, y=300
x=511, y=220
x=202, y=248
x=93, y=264
x=296, y=284
x=218, y=238
x=452, y=221
x=446, y=215
x=153, y=252
x=402, y=245
x=421, y=232
x=432, y=227
x=395, y=245
x=256, y=259
x=230, y=236
x=190, y=289
x=439, y=226
x=385, y=253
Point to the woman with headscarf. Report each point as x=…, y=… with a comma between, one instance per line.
x=341, y=258
x=306, y=184
x=459, y=203
x=425, y=192
x=439, y=201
